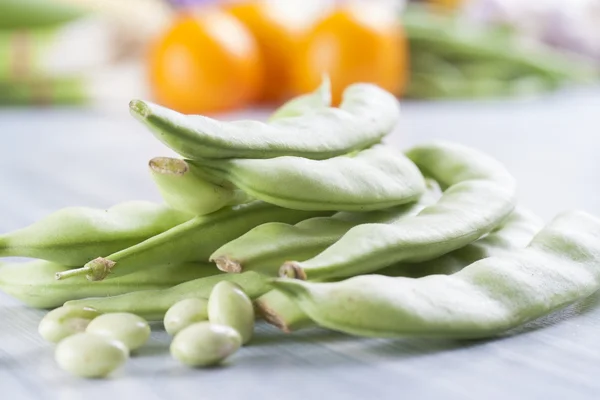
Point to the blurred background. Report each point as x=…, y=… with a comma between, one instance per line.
x=203, y=56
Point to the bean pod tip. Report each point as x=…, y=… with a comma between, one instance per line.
x=227, y=264
x=139, y=108
x=292, y=269
x=168, y=166
x=271, y=317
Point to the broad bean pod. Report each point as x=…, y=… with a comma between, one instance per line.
x=194, y=240
x=491, y=296
x=480, y=194
x=19, y=14
x=183, y=187
x=371, y=179
x=34, y=283
x=303, y=104
x=153, y=304
x=448, y=37
x=267, y=246
x=516, y=232
x=366, y=114
x=75, y=235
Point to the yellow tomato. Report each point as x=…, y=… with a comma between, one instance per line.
x=357, y=42
x=206, y=62
x=279, y=30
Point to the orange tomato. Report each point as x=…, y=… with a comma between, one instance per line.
x=357, y=42
x=206, y=62
x=279, y=30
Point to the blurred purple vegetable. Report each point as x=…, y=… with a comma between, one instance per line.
x=572, y=25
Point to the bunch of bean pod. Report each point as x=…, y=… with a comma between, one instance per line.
x=305, y=220
x=452, y=57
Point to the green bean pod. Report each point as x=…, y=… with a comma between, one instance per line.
x=303, y=104
x=366, y=114
x=75, y=235
x=267, y=246
x=480, y=194
x=371, y=179
x=34, y=283
x=514, y=233
x=183, y=187
x=153, y=304
x=194, y=240
x=491, y=296
x=445, y=35
x=30, y=14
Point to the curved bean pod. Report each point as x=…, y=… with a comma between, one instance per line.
x=490, y=296
x=34, y=283
x=267, y=246
x=367, y=113
x=516, y=232
x=75, y=235
x=303, y=104
x=183, y=187
x=372, y=179
x=194, y=240
x=153, y=304
x=480, y=194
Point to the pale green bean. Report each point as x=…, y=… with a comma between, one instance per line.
x=185, y=313
x=153, y=304
x=514, y=233
x=183, y=187
x=367, y=113
x=34, y=283
x=131, y=330
x=560, y=266
x=75, y=235
x=229, y=305
x=480, y=194
x=90, y=356
x=203, y=344
x=65, y=321
x=303, y=104
x=372, y=179
x=267, y=246
x=194, y=240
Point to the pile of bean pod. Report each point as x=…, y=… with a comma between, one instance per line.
x=307, y=219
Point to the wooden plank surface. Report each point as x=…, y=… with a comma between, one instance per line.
x=56, y=158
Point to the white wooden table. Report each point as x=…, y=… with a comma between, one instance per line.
x=55, y=158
